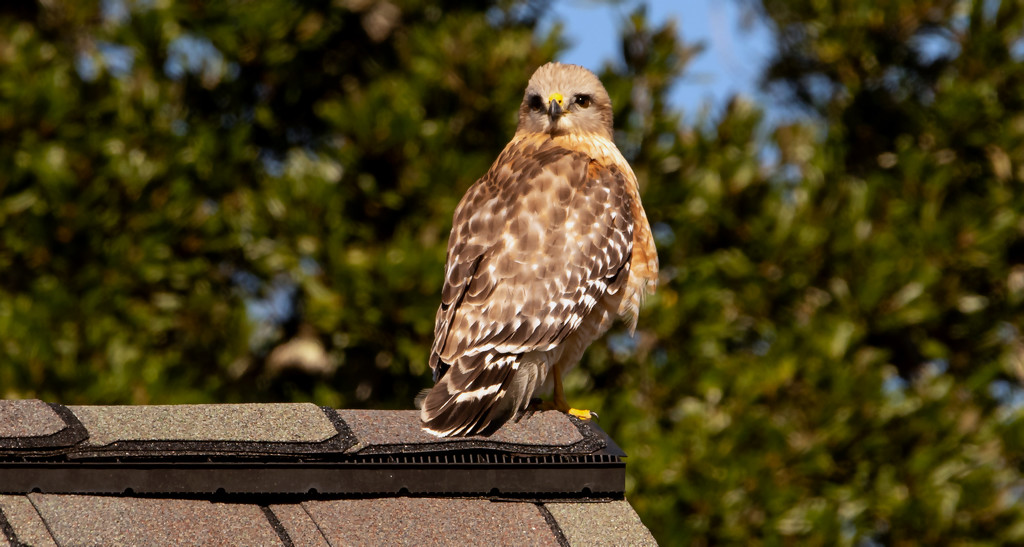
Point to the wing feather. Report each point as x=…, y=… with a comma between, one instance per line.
x=534, y=245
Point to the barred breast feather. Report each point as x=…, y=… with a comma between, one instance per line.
x=535, y=244
x=546, y=250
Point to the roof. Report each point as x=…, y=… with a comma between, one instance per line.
x=299, y=474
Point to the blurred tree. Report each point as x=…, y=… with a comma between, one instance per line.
x=835, y=354
x=188, y=186
x=250, y=201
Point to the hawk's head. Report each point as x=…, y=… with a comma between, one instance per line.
x=565, y=99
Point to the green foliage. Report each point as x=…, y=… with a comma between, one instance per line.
x=835, y=352
x=833, y=355
x=165, y=165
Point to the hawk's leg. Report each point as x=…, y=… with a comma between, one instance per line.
x=559, y=402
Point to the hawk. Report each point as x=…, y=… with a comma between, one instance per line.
x=546, y=250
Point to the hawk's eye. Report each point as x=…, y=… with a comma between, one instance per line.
x=535, y=102
x=583, y=100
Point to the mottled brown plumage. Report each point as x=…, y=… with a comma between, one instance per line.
x=546, y=250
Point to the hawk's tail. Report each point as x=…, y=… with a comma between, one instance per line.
x=479, y=393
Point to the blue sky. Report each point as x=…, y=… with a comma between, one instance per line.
x=734, y=54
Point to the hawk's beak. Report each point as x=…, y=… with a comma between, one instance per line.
x=555, y=106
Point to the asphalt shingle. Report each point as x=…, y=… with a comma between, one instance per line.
x=90, y=463
x=610, y=523
x=298, y=525
x=25, y=522
x=282, y=422
x=430, y=521
x=108, y=520
x=377, y=428
x=28, y=418
x=32, y=427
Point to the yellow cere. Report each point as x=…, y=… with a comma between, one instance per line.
x=556, y=97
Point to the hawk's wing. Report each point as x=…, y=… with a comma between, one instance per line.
x=535, y=244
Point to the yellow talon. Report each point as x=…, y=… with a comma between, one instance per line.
x=581, y=414
x=559, y=402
